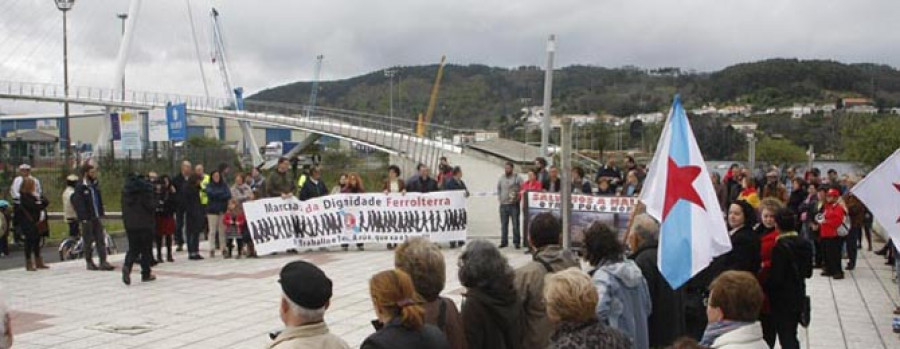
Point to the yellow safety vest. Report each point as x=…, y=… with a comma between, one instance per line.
x=204, y=200
x=301, y=181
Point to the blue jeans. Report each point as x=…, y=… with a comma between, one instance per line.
x=509, y=212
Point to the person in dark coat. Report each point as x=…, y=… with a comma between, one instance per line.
x=455, y=182
x=422, y=181
x=491, y=312
x=178, y=182
x=745, y=243
x=218, y=194
x=88, y=204
x=666, y=321
x=797, y=195
x=139, y=215
x=401, y=317
x=313, y=187
x=786, y=285
x=195, y=216
x=165, y=220
x=29, y=209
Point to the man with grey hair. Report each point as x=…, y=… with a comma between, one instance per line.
x=306, y=295
x=666, y=321
x=179, y=181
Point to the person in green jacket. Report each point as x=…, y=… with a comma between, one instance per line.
x=279, y=182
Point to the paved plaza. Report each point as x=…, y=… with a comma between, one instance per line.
x=234, y=303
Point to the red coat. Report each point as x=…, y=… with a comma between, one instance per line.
x=534, y=185
x=834, y=217
x=235, y=222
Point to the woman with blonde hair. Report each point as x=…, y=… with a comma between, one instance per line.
x=401, y=317
x=571, y=300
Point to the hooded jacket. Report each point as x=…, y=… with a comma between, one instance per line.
x=666, y=322
x=529, y=283
x=492, y=320
x=745, y=337
x=138, y=204
x=791, y=266
x=624, y=299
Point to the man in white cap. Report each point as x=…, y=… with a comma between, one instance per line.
x=24, y=172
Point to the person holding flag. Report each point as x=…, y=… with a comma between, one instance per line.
x=679, y=194
x=880, y=191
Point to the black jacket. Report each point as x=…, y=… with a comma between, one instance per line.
x=492, y=321
x=178, y=197
x=313, y=190
x=791, y=266
x=33, y=206
x=666, y=322
x=138, y=204
x=455, y=184
x=83, y=201
x=396, y=336
x=165, y=200
x=195, y=213
x=796, y=199
x=557, y=185
x=745, y=252
x=417, y=185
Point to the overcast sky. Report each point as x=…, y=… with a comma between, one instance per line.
x=272, y=42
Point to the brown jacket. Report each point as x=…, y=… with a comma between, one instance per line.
x=856, y=210
x=387, y=185
x=450, y=325
x=529, y=285
x=779, y=193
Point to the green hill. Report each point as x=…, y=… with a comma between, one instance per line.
x=486, y=97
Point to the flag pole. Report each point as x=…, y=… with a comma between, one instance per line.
x=565, y=136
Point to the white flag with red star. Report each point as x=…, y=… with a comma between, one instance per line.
x=880, y=192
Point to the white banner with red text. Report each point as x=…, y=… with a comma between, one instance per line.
x=277, y=224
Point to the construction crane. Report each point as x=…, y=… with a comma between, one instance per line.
x=235, y=94
x=422, y=126
x=314, y=92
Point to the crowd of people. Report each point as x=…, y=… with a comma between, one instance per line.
x=751, y=297
x=172, y=213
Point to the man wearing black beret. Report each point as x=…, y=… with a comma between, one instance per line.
x=306, y=294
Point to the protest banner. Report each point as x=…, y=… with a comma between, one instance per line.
x=586, y=209
x=278, y=224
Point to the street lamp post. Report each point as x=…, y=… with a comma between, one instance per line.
x=65, y=6
x=123, y=17
x=389, y=73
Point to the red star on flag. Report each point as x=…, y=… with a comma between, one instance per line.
x=680, y=185
x=897, y=186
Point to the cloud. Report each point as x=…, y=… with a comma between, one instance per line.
x=273, y=42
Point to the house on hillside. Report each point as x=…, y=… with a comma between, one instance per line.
x=857, y=106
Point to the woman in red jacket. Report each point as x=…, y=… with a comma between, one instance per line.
x=829, y=221
x=768, y=234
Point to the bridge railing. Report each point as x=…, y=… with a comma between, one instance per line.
x=388, y=133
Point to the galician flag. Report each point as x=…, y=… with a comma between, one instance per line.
x=679, y=193
x=880, y=192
